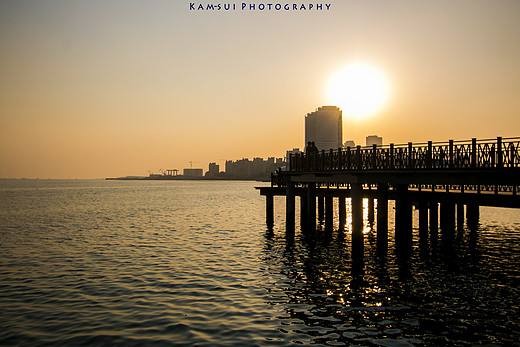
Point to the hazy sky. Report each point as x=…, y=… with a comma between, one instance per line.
x=101, y=88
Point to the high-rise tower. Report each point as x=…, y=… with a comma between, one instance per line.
x=324, y=128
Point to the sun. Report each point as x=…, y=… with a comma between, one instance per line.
x=358, y=89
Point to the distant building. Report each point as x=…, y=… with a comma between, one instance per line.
x=289, y=153
x=349, y=143
x=213, y=171
x=258, y=168
x=192, y=172
x=374, y=140
x=324, y=128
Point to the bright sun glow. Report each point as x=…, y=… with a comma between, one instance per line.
x=359, y=90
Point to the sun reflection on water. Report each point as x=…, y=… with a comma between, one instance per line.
x=368, y=223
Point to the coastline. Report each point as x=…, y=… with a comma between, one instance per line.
x=183, y=178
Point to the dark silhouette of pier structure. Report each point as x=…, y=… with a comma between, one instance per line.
x=447, y=182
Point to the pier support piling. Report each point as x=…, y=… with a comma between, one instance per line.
x=342, y=211
x=269, y=210
x=371, y=212
x=447, y=216
x=460, y=217
x=423, y=228
x=403, y=221
x=357, y=221
x=304, y=213
x=472, y=216
x=423, y=221
x=434, y=218
x=382, y=218
x=289, y=208
x=329, y=213
x=311, y=207
x=321, y=208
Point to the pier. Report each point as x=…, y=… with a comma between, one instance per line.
x=446, y=181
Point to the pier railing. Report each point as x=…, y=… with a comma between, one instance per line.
x=499, y=153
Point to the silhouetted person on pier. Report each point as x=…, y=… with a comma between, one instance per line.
x=308, y=148
x=312, y=152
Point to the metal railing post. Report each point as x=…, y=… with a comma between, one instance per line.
x=410, y=156
x=374, y=156
x=359, y=160
x=429, y=155
x=493, y=155
x=474, y=151
x=392, y=157
x=349, y=159
x=500, y=158
x=451, y=155
x=511, y=154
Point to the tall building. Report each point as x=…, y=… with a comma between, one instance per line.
x=324, y=128
x=374, y=140
x=213, y=171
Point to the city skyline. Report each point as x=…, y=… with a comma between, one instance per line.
x=92, y=90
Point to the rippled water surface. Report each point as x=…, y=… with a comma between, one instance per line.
x=191, y=263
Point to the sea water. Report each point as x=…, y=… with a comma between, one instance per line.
x=191, y=263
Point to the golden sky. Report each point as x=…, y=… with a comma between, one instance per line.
x=97, y=88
